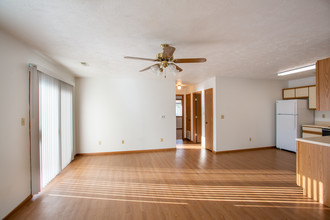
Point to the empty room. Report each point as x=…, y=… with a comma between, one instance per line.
x=164, y=109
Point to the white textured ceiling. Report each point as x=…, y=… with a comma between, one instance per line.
x=253, y=39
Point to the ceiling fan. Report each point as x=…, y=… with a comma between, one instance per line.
x=165, y=59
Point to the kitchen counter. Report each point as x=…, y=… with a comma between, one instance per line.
x=323, y=140
x=313, y=168
x=316, y=126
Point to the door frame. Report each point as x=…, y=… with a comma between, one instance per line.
x=182, y=95
x=212, y=127
x=194, y=114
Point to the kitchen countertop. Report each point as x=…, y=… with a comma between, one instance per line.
x=317, y=126
x=323, y=140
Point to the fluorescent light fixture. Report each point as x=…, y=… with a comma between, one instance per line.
x=301, y=69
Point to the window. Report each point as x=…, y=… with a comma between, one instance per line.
x=178, y=107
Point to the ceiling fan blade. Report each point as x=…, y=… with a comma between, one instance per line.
x=139, y=58
x=168, y=51
x=190, y=60
x=148, y=67
x=178, y=68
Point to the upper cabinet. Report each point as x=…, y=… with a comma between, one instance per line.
x=304, y=92
x=312, y=97
x=289, y=93
x=323, y=85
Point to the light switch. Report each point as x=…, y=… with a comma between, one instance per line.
x=323, y=115
x=161, y=140
x=122, y=142
x=23, y=121
x=222, y=117
x=100, y=142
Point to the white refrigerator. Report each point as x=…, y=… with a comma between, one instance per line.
x=290, y=116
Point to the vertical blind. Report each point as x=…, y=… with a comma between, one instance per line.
x=56, y=126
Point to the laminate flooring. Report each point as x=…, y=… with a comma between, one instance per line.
x=176, y=184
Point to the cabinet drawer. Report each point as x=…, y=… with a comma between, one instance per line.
x=302, y=92
x=307, y=135
x=308, y=131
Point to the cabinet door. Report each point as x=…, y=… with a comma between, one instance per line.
x=302, y=92
x=312, y=97
x=323, y=85
x=289, y=93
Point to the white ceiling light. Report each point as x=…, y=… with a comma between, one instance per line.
x=301, y=69
x=179, y=87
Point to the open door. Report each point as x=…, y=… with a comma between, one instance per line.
x=197, y=117
x=209, y=119
x=179, y=117
x=188, y=117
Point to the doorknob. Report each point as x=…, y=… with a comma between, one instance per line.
x=206, y=122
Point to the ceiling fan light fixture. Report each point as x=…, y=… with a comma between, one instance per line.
x=155, y=68
x=172, y=67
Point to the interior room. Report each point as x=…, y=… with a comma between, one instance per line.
x=165, y=109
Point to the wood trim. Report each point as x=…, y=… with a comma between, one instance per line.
x=18, y=207
x=240, y=150
x=124, y=152
x=311, y=132
x=317, y=75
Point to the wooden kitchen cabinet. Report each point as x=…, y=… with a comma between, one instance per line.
x=289, y=93
x=302, y=92
x=323, y=85
x=312, y=97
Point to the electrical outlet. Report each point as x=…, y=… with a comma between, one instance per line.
x=23, y=121
x=122, y=142
x=222, y=117
x=323, y=115
x=100, y=142
x=161, y=140
x=250, y=139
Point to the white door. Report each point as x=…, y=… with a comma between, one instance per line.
x=286, y=132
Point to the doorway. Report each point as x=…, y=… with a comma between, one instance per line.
x=188, y=117
x=179, y=117
x=197, y=117
x=208, y=97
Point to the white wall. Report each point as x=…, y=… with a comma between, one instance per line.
x=114, y=109
x=307, y=81
x=248, y=107
x=14, y=138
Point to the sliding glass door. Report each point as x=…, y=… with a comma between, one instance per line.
x=55, y=125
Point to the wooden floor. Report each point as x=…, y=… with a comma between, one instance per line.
x=186, y=144
x=177, y=184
